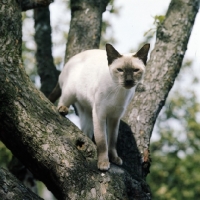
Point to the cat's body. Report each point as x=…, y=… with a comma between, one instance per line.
x=101, y=84
x=89, y=85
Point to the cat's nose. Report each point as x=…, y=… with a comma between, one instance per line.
x=129, y=77
x=128, y=84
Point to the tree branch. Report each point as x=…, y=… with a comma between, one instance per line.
x=161, y=71
x=31, y=4
x=11, y=188
x=22, y=174
x=45, y=64
x=85, y=26
x=50, y=146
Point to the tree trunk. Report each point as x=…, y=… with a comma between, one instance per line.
x=30, y=4
x=48, y=75
x=85, y=26
x=54, y=150
x=161, y=71
x=45, y=64
x=11, y=188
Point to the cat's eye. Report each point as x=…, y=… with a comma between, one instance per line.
x=119, y=70
x=136, y=70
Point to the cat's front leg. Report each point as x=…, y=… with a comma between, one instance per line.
x=65, y=101
x=100, y=136
x=113, y=128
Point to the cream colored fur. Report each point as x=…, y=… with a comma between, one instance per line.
x=100, y=96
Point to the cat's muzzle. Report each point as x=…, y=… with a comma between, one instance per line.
x=128, y=80
x=129, y=84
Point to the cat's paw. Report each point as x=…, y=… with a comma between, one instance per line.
x=103, y=165
x=63, y=110
x=117, y=160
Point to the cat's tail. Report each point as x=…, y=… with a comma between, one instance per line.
x=55, y=94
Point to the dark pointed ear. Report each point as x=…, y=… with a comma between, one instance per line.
x=143, y=53
x=112, y=53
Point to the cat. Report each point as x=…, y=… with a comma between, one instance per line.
x=101, y=84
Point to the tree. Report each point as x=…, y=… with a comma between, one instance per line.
x=177, y=151
x=45, y=65
x=54, y=150
x=162, y=69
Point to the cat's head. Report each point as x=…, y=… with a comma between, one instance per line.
x=127, y=69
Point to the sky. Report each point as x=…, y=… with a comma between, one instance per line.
x=136, y=17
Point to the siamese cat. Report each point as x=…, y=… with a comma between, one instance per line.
x=101, y=84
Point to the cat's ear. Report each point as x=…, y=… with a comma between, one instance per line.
x=112, y=53
x=143, y=53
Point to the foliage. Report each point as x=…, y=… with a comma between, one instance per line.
x=5, y=155
x=149, y=35
x=158, y=20
x=175, y=167
x=44, y=192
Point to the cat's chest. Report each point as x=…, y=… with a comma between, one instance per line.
x=114, y=102
x=117, y=96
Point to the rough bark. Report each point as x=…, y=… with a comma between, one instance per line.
x=85, y=26
x=31, y=4
x=45, y=64
x=51, y=146
x=11, y=188
x=48, y=75
x=54, y=150
x=163, y=67
x=46, y=70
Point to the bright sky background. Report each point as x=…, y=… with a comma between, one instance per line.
x=136, y=17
